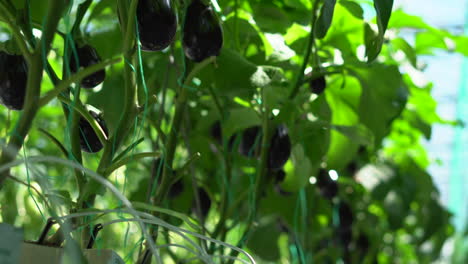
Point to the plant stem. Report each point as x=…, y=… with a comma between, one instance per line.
x=261, y=174
x=33, y=87
x=310, y=45
x=82, y=8
x=171, y=142
x=129, y=105
x=176, y=123
x=81, y=109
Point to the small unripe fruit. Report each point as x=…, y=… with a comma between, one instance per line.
x=318, y=85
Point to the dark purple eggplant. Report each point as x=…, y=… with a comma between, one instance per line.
x=13, y=80
x=345, y=215
x=280, y=148
x=87, y=56
x=216, y=132
x=89, y=141
x=157, y=24
x=328, y=188
x=251, y=142
x=318, y=85
x=203, y=36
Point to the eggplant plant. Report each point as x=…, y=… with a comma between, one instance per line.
x=253, y=132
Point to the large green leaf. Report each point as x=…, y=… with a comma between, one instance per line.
x=325, y=19
x=263, y=240
x=231, y=75
x=383, y=98
x=384, y=10
x=343, y=96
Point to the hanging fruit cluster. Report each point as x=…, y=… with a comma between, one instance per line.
x=157, y=26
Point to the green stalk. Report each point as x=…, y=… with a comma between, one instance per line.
x=62, y=86
x=82, y=8
x=33, y=87
x=220, y=227
x=176, y=123
x=81, y=109
x=129, y=107
x=171, y=142
x=261, y=174
x=310, y=45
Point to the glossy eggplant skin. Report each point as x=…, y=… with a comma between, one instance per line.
x=318, y=85
x=13, y=80
x=328, y=188
x=203, y=36
x=89, y=141
x=87, y=56
x=157, y=24
x=280, y=148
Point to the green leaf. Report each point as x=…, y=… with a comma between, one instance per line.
x=298, y=177
x=343, y=96
x=239, y=119
x=400, y=19
x=358, y=134
x=384, y=10
x=249, y=37
x=374, y=44
x=270, y=17
x=384, y=96
x=325, y=19
x=346, y=33
x=401, y=44
x=263, y=241
x=461, y=44
x=354, y=8
x=427, y=41
x=231, y=75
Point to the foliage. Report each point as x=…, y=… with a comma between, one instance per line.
x=355, y=186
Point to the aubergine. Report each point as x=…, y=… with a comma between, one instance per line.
x=345, y=215
x=318, y=85
x=216, y=132
x=87, y=56
x=328, y=188
x=157, y=24
x=280, y=148
x=251, y=142
x=13, y=80
x=89, y=141
x=203, y=35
